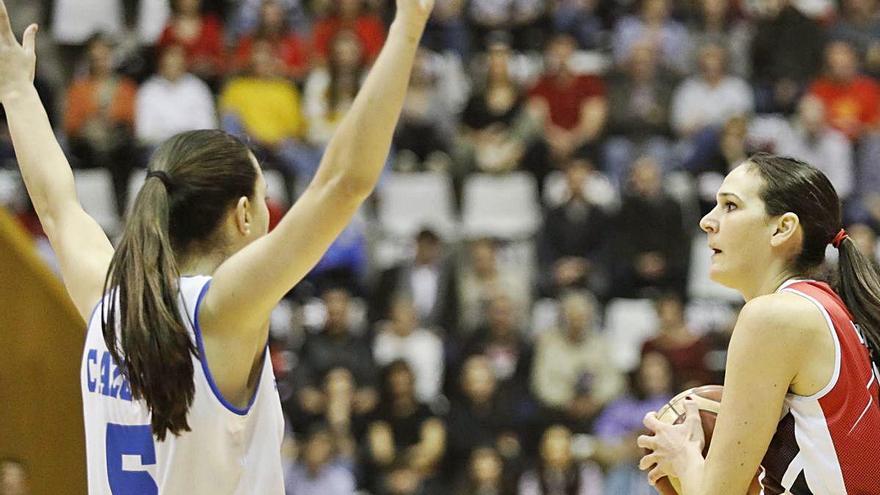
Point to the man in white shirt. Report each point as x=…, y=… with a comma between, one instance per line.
x=711, y=97
x=172, y=101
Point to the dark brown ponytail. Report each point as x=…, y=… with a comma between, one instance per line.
x=859, y=286
x=195, y=178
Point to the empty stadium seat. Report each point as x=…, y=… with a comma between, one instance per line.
x=503, y=206
x=94, y=188
x=10, y=187
x=410, y=201
x=628, y=324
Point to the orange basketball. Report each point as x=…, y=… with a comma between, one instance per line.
x=708, y=398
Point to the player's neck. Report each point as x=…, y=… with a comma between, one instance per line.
x=768, y=285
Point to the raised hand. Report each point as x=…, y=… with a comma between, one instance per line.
x=17, y=61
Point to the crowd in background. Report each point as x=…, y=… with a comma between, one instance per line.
x=484, y=364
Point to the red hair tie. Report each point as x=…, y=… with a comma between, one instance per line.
x=839, y=238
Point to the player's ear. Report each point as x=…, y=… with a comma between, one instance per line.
x=786, y=227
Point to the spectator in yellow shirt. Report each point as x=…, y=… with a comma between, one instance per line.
x=264, y=107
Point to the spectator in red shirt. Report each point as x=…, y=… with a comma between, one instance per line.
x=852, y=100
x=201, y=36
x=572, y=108
x=273, y=28
x=350, y=14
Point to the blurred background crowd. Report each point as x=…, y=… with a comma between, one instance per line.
x=529, y=278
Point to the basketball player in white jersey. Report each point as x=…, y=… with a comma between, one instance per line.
x=799, y=347
x=178, y=394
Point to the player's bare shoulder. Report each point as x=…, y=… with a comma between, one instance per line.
x=783, y=319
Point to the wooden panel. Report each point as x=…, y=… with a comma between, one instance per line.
x=41, y=335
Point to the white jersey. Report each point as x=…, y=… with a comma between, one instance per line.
x=229, y=450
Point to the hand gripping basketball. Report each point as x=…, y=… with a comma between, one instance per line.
x=17, y=61
x=699, y=407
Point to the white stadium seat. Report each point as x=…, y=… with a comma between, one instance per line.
x=502, y=206
x=628, y=324
x=94, y=188
x=410, y=201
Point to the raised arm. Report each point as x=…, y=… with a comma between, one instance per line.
x=250, y=283
x=83, y=249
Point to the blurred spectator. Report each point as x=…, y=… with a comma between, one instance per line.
x=423, y=137
x=484, y=475
x=593, y=185
x=852, y=101
x=265, y=107
x=524, y=19
x=730, y=95
x=349, y=15
x=288, y=46
x=809, y=137
x=100, y=119
x=558, y=472
x=402, y=338
x=786, y=54
x=579, y=19
x=572, y=243
x=639, y=99
x=650, y=241
x=653, y=22
x=482, y=278
x=75, y=23
x=715, y=153
x=405, y=440
x=201, y=36
x=428, y=278
x=495, y=126
x=572, y=108
x=14, y=477
x=319, y=470
x=572, y=374
x=650, y=387
x=675, y=341
x=247, y=19
x=859, y=24
x=482, y=416
x=330, y=90
x=446, y=30
x=501, y=341
x=337, y=345
x=717, y=23
x=172, y=101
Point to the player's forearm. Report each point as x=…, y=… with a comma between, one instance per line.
x=358, y=150
x=43, y=165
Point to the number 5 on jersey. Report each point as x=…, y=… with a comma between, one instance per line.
x=134, y=442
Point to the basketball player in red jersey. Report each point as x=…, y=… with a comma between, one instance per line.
x=799, y=347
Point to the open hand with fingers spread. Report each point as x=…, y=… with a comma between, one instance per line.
x=17, y=61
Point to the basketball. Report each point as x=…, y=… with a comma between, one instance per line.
x=708, y=398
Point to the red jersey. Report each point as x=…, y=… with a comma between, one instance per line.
x=829, y=443
x=852, y=107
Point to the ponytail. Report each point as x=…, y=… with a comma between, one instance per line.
x=858, y=284
x=153, y=347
